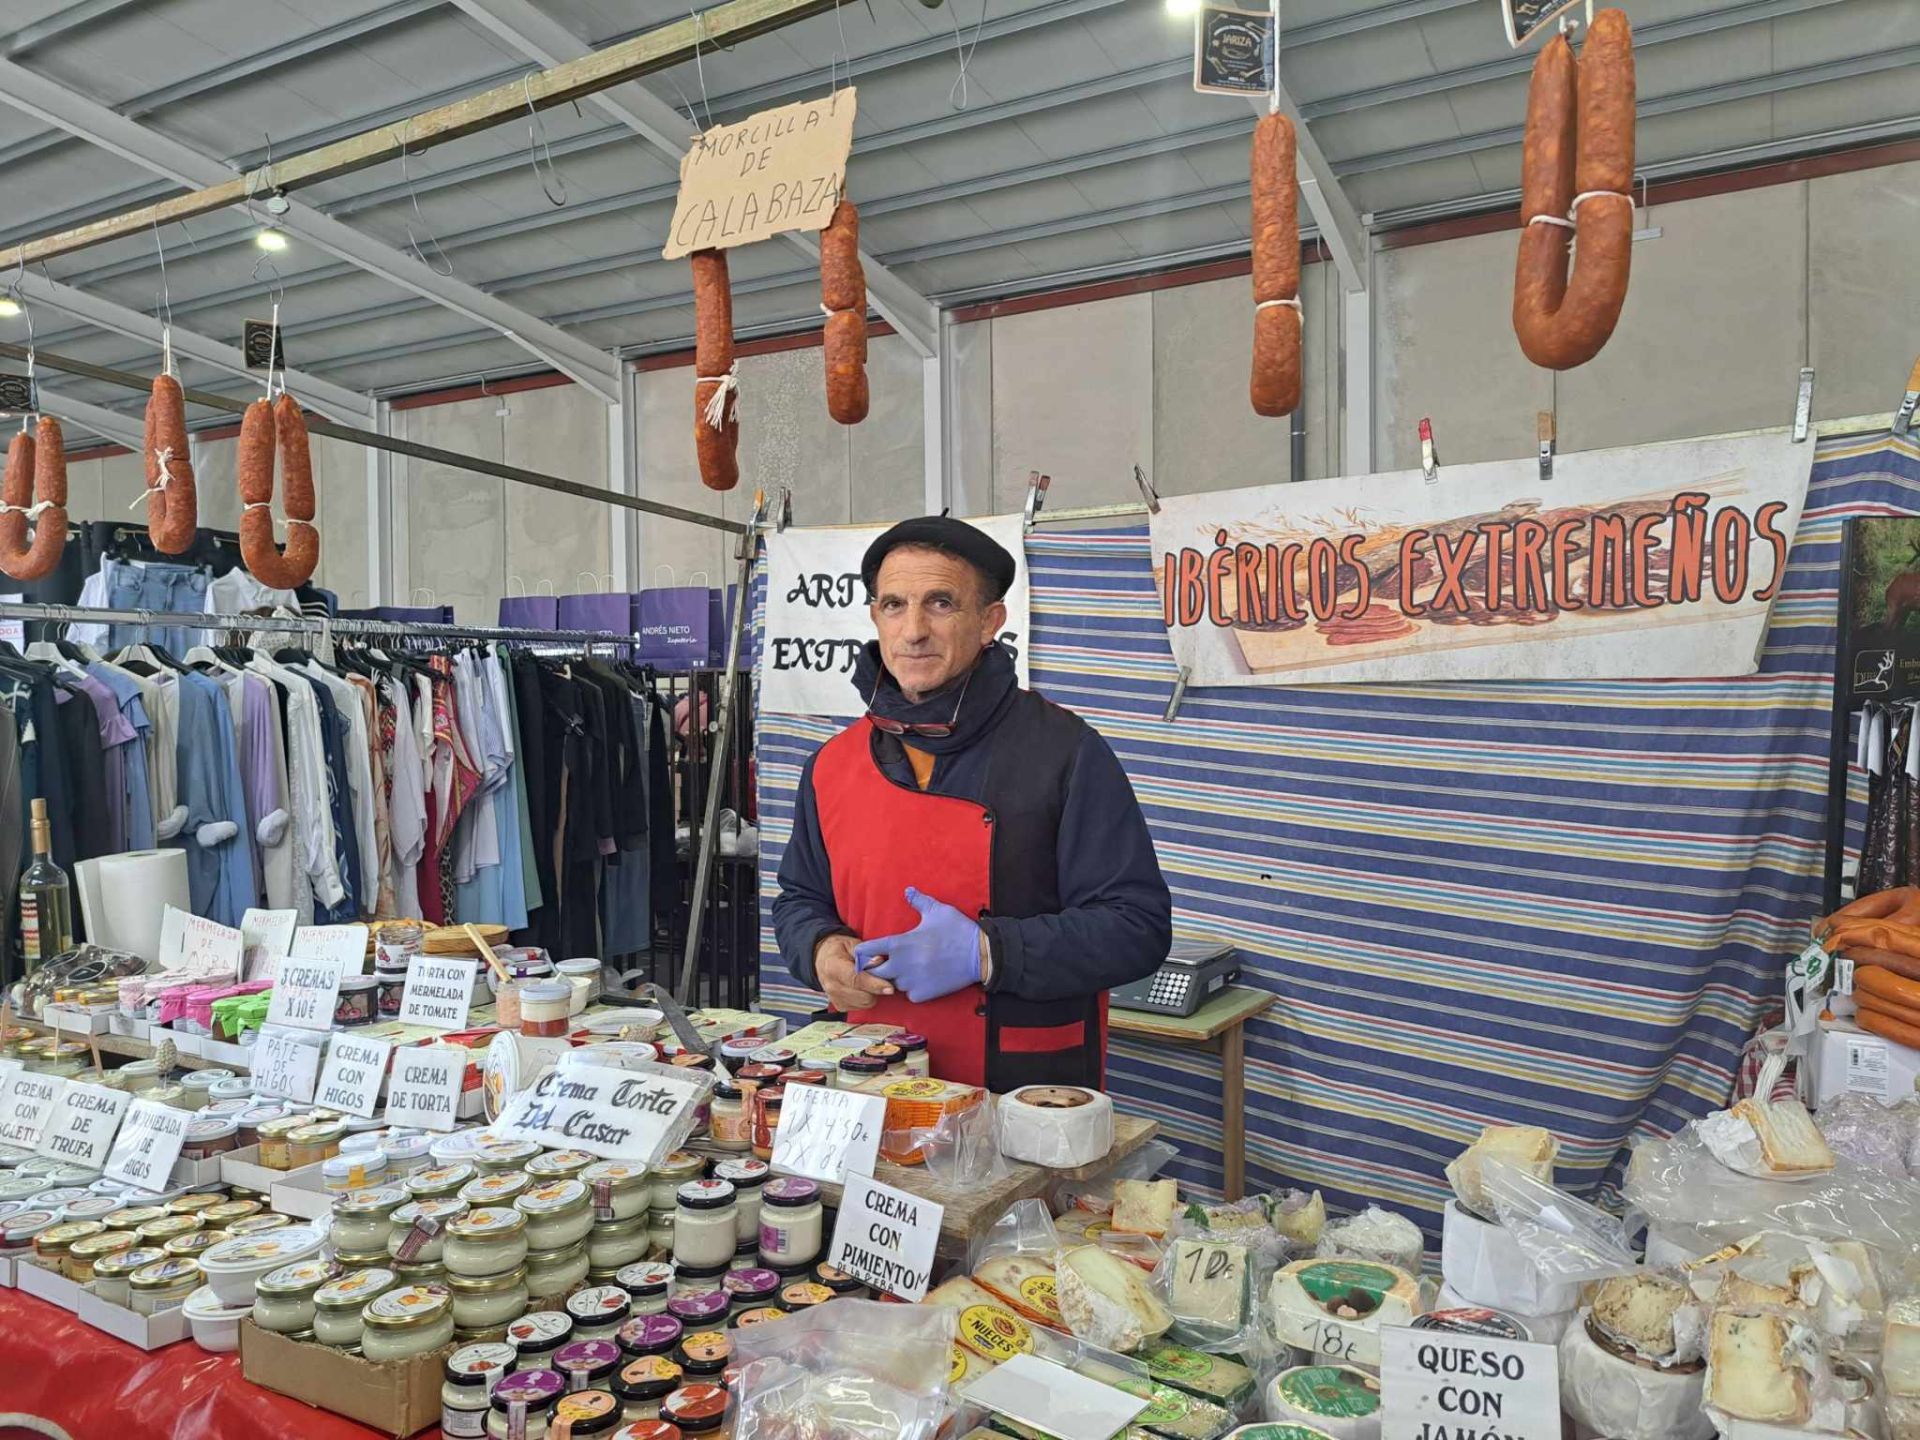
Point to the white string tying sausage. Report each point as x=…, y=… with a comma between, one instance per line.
x=727, y=384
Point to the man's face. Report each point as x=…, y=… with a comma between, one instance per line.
x=932, y=618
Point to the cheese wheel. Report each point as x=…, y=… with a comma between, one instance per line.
x=1337, y=1400
x=1617, y=1398
x=1485, y=1264
x=1336, y=1307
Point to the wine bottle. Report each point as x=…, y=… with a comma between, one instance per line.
x=46, y=903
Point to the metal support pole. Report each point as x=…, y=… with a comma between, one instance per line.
x=623, y=478
x=1356, y=382
x=380, y=546
x=717, y=754
x=937, y=494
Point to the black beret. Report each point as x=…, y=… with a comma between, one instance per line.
x=955, y=537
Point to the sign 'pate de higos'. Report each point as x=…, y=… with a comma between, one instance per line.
x=780, y=170
x=1654, y=561
x=638, y=1114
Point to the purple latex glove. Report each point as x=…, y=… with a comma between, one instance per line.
x=937, y=957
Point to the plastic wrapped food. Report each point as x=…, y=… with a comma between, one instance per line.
x=1373, y=1234
x=845, y=1370
x=1861, y=1129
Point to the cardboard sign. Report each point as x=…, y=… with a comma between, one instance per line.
x=884, y=1236
x=1433, y=1384
x=779, y=170
x=285, y=1066
x=345, y=945
x=304, y=993
x=817, y=616
x=1230, y=49
x=424, y=1089
x=438, y=992
x=26, y=1105
x=638, y=1114
x=1053, y=1399
x=192, y=945
x=148, y=1144
x=85, y=1120
x=350, y=1078
x=260, y=340
x=826, y=1134
x=265, y=936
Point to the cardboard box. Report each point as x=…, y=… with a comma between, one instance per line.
x=6, y=1272
x=1843, y=1057
x=49, y=1285
x=219, y=1052
x=242, y=1167
x=69, y=1021
x=400, y=1399
x=131, y=1027
x=188, y=1173
x=184, y=1041
x=149, y=1332
x=303, y=1193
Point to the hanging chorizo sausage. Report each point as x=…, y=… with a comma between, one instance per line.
x=172, y=508
x=1576, y=179
x=261, y=429
x=843, y=295
x=716, y=397
x=1277, y=321
x=36, y=468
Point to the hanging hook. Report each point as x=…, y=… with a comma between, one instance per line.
x=699, y=65
x=26, y=313
x=413, y=243
x=165, y=316
x=537, y=135
x=957, y=95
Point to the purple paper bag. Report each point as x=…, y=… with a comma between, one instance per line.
x=600, y=611
x=676, y=626
x=530, y=612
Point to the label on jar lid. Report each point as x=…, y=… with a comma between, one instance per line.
x=835, y=1279
x=791, y=1190
x=597, y=1302
x=645, y=1276
x=240, y=1209
x=294, y=1241
x=651, y=1333
x=486, y=1224
x=506, y=1152
x=528, y=1387
x=750, y=1281
x=366, y=1202
x=680, y=1162
x=691, y=1060
x=254, y=1224
x=694, y=1402
x=357, y=1287
x=304, y=1275
x=166, y=1272
x=696, y=1308
x=440, y=1177
x=773, y=1055
x=164, y=1229
x=585, y=1405
x=409, y=1302
x=742, y=1172
x=757, y=1074
x=587, y=1356
x=489, y=1189
x=489, y=1357
x=707, y=1347
x=705, y=1194
x=761, y=1314
x=552, y=1198
x=805, y=1293
x=649, y=1430
x=91, y=1207
x=539, y=1329
x=650, y=1370
x=559, y=1162
x=191, y=1204
x=619, y=1172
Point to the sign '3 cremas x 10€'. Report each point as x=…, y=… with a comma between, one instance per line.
x=1653, y=561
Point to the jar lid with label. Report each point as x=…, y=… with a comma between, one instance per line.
x=755, y=1285
x=126, y=1262
x=382, y=1200
x=500, y=1188
x=198, y=1243
x=540, y=1332
x=411, y=1307
x=443, y=1210
x=743, y=1173
x=92, y=1207
x=702, y=1309
x=792, y=1191
x=837, y=1280
x=587, y=1362
x=229, y=1211
x=355, y=1289
x=645, y=1277
x=538, y=1390
x=560, y=1164
x=648, y=1377
x=479, y=1364
x=705, y=1195
x=706, y=1353
x=759, y=1315
x=556, y=1197
x=650, y=1334
x=504, y=1154
x=439, y=1179
x=107, y=1242
x=589, y=1412
x=863, y=1066
x=805, y=1295
x=695, y=1408
x=599, y=1305
x=192, y=1204
x=166, y=1274
x=300, y=1278
x=680, y=1166
x=493, y=1223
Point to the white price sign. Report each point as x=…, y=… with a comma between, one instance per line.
x=85, y=1120
x=194, y=945
x=285, y=1066
x=26, y=1105
x=345, y=945
x=424, y=1089
x=826, y=1134
x=636, y=1114
x=304, y=993
x=148, y=1144
x=1440, y=1386
x=885, y=1237
x=350, y=1078
x=438, y=993
x=264, y=938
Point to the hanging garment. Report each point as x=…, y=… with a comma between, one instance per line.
x=219, y=863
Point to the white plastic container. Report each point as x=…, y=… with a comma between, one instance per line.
x=234, y=1267
x=584, y=975
x=216, y=1326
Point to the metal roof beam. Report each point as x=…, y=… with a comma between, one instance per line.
x=97, y=310
x=92, y=121
x=62, y=22
x=632, y=105
x=111, y=424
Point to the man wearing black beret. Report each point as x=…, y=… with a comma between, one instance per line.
x=968, y=861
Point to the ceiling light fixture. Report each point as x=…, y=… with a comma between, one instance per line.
x=9, y=307
x=1182, y=9
x=271, y=239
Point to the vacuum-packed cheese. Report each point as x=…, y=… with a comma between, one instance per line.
x=1108, y=1301
x=1750, y=1375
x=1338, y=1306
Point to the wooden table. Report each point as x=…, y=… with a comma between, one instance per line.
x=967, y=1212
x=1220, y=1026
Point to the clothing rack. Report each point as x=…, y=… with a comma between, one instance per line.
x=303, y=624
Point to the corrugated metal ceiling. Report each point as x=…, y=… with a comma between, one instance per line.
x=1074, y=142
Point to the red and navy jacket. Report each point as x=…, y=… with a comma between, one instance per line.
x=1027, y=822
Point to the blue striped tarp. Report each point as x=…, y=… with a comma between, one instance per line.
x=1559, y=903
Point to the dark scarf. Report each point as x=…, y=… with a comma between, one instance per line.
x=990, y=686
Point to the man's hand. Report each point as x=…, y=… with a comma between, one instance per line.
x=839, y=975
x=940, y=955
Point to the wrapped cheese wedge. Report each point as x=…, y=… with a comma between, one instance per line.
x=1108, y=1301
x=1026, y=1284
x=1527, y=1148
x=982, y=1322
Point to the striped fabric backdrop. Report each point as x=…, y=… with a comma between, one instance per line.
x=1563, y=904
